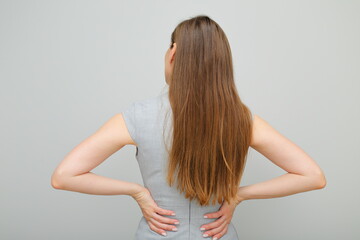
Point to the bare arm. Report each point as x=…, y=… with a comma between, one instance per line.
x=73, y=173
x=303, y=173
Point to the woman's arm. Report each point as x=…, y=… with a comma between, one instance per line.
x=73, y=173
x=303, y=173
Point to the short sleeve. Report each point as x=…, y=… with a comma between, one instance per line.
x=129, y=115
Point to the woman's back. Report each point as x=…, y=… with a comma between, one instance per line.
x=145, y=121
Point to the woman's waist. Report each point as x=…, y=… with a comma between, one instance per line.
x=188, y=228
x=189, y=210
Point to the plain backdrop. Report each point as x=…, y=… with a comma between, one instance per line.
x=66, y=67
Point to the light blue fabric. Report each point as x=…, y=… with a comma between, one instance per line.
x=146, y=119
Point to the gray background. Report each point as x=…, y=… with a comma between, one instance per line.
x=66, y=67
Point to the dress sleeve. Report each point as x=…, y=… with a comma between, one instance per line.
x=129, y=115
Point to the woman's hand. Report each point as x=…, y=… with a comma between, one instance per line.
x=152, y=211
x=218, y=228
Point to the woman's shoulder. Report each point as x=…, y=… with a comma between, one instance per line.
x=148, y=102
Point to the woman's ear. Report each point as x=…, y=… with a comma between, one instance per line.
x=172, y=52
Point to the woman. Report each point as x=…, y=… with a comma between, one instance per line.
x=191, y=146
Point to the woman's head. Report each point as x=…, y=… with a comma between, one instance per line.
x=196, y=42
x=211, y=127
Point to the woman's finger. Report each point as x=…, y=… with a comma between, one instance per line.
x=163, y=219
x=213, y=224
x=162, y=225
x=164, y=211
x=156, y=229
x=216, y=230
x=220, y=234
x=214, y=214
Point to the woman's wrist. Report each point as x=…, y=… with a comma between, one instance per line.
x=138, y=189
x=240, y=196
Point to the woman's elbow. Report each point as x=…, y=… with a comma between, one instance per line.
x=56, y=181
x=319, y=180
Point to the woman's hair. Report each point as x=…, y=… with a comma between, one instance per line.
x=211, y=127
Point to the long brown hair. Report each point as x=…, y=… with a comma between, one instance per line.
x=211, y=127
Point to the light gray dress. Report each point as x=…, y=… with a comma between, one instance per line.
x=145, y=121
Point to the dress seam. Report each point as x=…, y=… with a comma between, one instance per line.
x=189, y=219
